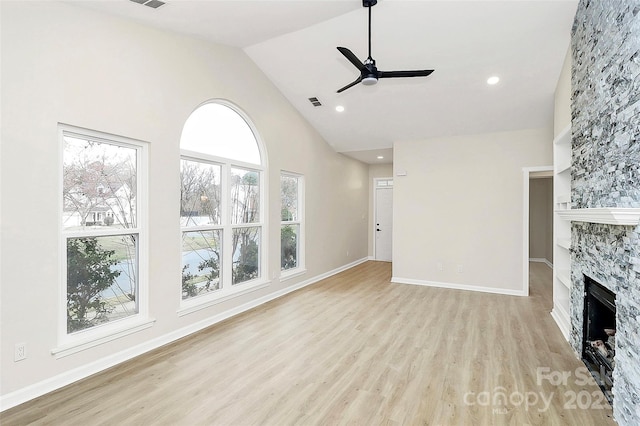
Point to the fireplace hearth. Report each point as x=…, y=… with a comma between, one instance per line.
x=598, y=347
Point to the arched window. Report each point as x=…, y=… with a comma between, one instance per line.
x=219, y=130
x=222, y=212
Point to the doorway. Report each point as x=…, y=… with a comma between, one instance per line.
x=529, y=173
x=383, y=219
x=541, y=220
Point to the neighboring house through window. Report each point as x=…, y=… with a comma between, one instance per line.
x=222, y=212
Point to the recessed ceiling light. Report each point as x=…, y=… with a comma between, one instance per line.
x=339, y=108
x=380, y=157
x=493, y=80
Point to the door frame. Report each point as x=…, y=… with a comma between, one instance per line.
x=528, y=173
x=375, y=213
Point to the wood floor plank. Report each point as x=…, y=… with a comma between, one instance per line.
x=351, y=349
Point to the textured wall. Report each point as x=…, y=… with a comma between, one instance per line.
x=606, y=173
x=606, y=104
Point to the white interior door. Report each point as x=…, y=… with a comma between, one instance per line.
x=383, y=223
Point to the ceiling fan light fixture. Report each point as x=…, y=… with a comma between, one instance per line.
x=369, y=80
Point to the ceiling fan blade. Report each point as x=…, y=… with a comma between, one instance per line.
x=358, y=80
x=351, y=57
x=395, y=74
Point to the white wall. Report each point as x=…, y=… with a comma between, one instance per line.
x=461, y=204
x=61, y=63
x=562, y=99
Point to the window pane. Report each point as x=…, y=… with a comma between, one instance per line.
x=201, y=252
x=289, y=246
x=218, y=130
x=289, y=197
x=99, y=185
x=199, y=193
x=246, y=254
x=245, y=196
x=102, y=281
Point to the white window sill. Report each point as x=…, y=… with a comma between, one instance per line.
x=198, y=303
x=292, y=273
x=83, y=343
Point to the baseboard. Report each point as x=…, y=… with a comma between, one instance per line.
x=454, y=286
x=49, y=385
x=541, y=260
x=373, y=258
x=562, y=320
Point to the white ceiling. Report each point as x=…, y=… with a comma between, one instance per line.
x=294, y=42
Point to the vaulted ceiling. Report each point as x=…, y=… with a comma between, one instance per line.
x=294, y=42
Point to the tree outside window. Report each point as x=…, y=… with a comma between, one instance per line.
x=101, y=229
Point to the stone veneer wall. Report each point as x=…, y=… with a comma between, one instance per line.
x=605, y=118
x=611, y=255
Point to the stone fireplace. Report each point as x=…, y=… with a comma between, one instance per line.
x=610, y=254
x=605, y=178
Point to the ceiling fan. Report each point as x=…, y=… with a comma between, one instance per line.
x=369, y=74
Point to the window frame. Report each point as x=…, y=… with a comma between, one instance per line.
x=383, y=182
x=229, y=290
x=70, y=343
x=211, y=160
x=301, y=267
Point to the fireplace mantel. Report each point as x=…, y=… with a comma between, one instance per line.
x=611, y=216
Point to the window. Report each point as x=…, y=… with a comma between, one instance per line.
x=221, y=204
x=103, y=238
x=200, y=219
x=291, y=230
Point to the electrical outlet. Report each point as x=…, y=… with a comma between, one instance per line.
x=459, y=269
x=20, y=352
x=347, y=253
x=440, y=266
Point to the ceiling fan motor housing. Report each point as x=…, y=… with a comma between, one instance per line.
x=369, y=73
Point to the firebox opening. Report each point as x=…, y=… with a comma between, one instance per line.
x=599, y=344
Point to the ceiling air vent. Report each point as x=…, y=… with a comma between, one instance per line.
x=315, y=102
x=151, y=3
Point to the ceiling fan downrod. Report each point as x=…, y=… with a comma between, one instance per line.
x=374, y=2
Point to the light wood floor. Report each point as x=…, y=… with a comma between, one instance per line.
x=352, y=349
